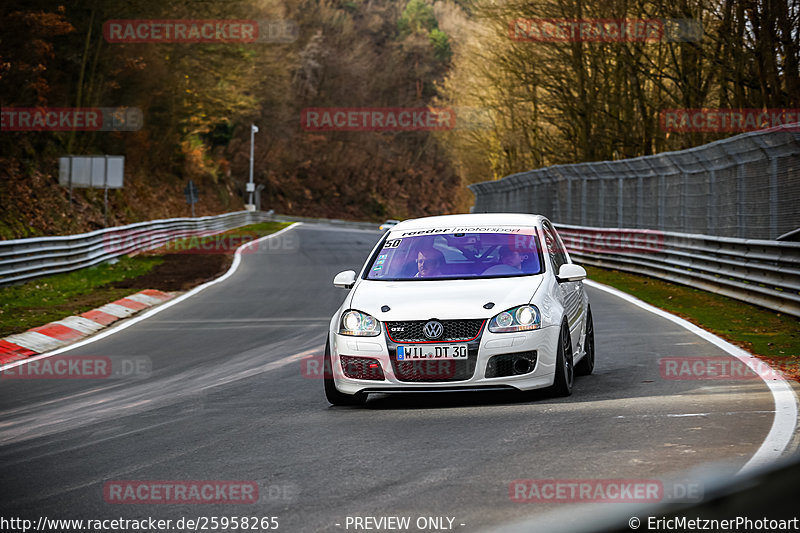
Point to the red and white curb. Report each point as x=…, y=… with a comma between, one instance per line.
x=62, y=332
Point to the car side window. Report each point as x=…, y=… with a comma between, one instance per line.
x=554, y=247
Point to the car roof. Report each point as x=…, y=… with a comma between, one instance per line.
x=473, y=219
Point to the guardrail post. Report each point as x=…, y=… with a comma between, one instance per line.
x=583, y=201
x=105, y=192
x=600, y=212
x=601, y=200
x=662, y=197
x=711, y=203
x=773, y=198
x=773, y=184
x=740, y=217
x=684, y=199
x=70, y=181
x=555, y=198
x=640, y=201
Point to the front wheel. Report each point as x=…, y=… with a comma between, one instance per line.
x=332, y=394
x=586, y=365
x=565, y=374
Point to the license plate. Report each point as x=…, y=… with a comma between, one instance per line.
x=431, y=351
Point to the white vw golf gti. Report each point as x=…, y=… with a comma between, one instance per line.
x=457, y=303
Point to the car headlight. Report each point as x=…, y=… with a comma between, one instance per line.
x=359, y=324
x=522, y=318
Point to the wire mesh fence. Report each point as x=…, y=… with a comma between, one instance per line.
x=747, y=186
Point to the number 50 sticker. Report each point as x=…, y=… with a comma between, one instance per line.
x=394, y=243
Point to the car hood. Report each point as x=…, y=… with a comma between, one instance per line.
x=442, y=299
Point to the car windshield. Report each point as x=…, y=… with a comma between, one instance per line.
x=451, y=254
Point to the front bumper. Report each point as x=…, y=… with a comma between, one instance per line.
x=540, y=345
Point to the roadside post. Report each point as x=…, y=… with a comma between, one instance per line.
x=250, y=185
x=192, y=194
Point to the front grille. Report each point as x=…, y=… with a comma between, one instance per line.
x=431, y=370
x=361, y=368
x=511, y=364
x=454, y=330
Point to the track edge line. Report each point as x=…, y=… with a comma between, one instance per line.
x=784, y=423
x=237, y=259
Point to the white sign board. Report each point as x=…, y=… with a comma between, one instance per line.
x=102, y=172
x=116, y=172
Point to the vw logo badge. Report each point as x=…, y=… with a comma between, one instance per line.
x=433, y=329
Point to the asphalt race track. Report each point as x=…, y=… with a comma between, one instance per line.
x=226, y=400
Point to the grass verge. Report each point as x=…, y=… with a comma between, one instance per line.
x=772, y=336
x=44, y=300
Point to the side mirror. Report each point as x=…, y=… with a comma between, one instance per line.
x=346, y=279
x=571, y=272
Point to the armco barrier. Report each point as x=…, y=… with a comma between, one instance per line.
x=762, y=272
x=24, y=259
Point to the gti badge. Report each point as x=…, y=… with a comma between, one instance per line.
x=433, y=329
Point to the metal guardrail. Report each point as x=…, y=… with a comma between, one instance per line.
x=766, y=273
x=25, y=259
x=762, y=272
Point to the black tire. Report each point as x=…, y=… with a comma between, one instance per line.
x=565, y=371
x=332, y=394
x=586, y=365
